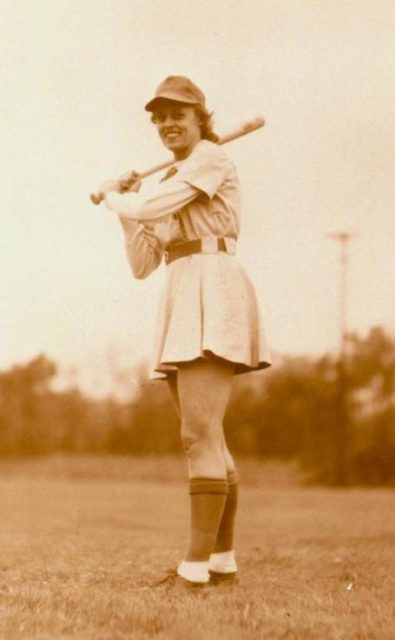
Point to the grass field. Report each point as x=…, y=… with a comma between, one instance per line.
x=83, y=539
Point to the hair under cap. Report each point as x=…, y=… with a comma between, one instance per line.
x=179, y=89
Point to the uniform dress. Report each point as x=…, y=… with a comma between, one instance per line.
x=208, y=307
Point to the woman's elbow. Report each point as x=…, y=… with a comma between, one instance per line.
x=141, y=269
x=140, y=273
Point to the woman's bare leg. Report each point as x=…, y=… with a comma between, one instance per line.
x=204, y=388
x=172, y=381
x=229, y=462
x=222, y=562
x=202, y=393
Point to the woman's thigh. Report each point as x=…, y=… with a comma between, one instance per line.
x=203, y=390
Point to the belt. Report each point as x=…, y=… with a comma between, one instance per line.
x=183, y=249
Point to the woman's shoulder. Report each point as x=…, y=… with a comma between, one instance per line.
x=209, y=149
x=207, y=168
x=208, y=153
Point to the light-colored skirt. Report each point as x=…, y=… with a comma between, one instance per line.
x=209, y=309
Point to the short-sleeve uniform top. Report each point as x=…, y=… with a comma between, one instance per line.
x=208, y=308
x=216, y=210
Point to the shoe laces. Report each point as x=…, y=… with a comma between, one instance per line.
x=169, y=579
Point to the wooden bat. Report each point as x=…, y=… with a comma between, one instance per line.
x=249, y=126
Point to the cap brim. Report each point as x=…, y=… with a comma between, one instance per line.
x=174, y=97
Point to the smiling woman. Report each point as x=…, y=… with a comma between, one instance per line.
x=209, y=324
x=170, y=115
x=178, y=127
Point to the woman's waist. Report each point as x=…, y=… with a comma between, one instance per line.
x=204, y=245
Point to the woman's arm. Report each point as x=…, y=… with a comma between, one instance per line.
x=202, y=173
x=167, y=198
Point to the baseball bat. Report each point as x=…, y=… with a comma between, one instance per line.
x=247, y=127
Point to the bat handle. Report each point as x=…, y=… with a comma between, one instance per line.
x=122, y=184
x=97, y=197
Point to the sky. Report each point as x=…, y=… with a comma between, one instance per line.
x=75, y=78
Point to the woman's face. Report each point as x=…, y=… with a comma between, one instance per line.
x=179, y=127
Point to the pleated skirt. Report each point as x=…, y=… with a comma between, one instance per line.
x=209, y=309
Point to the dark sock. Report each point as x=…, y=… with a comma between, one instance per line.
x=224, y=540
x=208, y=497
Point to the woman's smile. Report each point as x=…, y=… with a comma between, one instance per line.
x=172, y=135
x=178, y=127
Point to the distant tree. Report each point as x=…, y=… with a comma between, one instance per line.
x=372, y=369
x=289, y=412
x=372, y=380
x=149, y=424
x=24, y=404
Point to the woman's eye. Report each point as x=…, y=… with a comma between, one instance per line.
x=162, y=117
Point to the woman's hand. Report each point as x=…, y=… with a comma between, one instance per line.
x=130, y=181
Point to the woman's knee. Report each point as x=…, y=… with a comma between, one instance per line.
x=199, y=440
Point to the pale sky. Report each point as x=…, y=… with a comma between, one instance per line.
x=74, y=79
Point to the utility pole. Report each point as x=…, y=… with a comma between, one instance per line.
x=341, y=426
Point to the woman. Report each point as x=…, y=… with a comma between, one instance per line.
x=208, y=326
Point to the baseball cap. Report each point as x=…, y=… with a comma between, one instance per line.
x=179, y=89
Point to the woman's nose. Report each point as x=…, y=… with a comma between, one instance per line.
x=168, y=120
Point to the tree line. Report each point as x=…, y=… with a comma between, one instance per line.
x=341, y=429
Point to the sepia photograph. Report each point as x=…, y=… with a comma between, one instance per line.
x=197, y=320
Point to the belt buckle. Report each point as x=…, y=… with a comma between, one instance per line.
x=209, y=244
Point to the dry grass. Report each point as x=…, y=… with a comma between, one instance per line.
x=81, y=543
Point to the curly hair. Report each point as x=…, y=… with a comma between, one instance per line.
x=206, y=123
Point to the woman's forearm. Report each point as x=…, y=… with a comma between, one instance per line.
x=167, y=199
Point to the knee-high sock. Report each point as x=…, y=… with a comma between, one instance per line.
x=208, y=497
x=224, y=540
